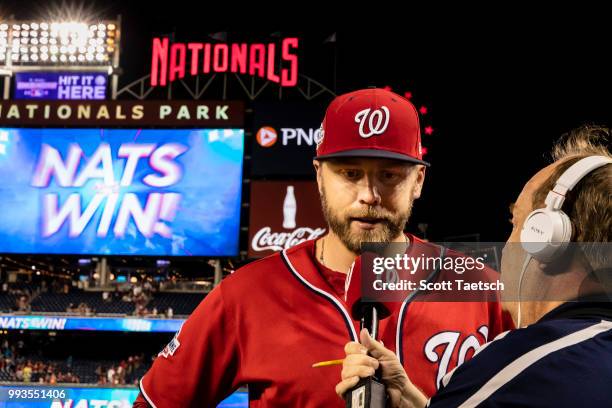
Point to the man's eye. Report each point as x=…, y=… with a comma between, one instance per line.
x=351, y=174
x=389, y=176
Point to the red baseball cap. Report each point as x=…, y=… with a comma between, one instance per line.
x=371, y=123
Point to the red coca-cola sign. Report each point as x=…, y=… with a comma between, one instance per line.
x=283, y=214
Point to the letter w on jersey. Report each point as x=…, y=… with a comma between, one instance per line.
x=372, y=122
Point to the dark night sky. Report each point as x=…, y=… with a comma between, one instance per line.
x=498, y=93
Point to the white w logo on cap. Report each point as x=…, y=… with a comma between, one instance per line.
x=372, y=122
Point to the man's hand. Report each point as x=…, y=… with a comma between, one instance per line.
x=363, y=359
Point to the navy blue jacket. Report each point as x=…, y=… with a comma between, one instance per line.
x=563, y=360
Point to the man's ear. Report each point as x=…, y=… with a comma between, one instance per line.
x=318, y=166
x=420, y=178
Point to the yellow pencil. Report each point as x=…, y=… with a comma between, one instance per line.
x=327, y=363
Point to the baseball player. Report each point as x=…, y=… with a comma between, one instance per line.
x=265, y=325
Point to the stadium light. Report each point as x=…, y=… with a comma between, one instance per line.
x=35, y=43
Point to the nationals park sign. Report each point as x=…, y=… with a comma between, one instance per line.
x=218, y=114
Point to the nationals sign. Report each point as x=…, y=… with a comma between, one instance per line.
x=273, y=62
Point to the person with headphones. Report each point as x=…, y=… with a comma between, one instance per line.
x=556, y=266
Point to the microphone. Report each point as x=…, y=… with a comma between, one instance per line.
x=369, y=392
x=367, y=310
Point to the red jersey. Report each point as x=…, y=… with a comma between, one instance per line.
x=267, y=323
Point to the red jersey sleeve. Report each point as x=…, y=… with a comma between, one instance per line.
x=141, y=402
x=200, y=366
x=499, y=320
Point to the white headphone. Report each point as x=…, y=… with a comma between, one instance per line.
x=547, y=231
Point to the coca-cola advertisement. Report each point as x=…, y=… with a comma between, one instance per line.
x=283, y=214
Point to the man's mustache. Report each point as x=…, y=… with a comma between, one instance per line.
x=370, y=213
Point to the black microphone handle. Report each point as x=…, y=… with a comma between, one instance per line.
x=369, y=392
x=369, y=320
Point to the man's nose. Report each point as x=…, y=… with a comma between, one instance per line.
x=369, y=193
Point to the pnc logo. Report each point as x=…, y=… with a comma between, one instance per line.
x=266, y=136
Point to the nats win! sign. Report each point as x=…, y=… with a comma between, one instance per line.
x=283, y=214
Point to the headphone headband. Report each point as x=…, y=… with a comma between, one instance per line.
x=571, y=177
x=547, y=231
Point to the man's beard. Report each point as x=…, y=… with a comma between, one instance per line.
x=392, y=224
